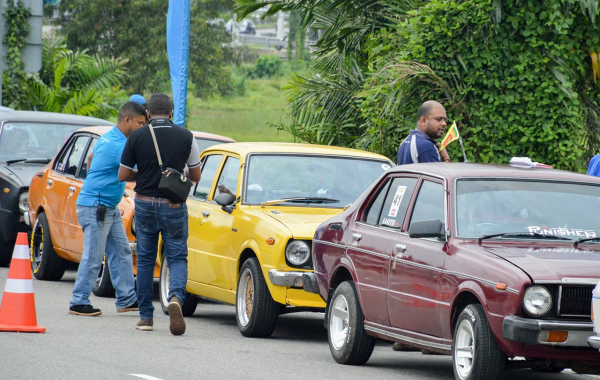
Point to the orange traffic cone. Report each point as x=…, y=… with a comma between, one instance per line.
x=17, y=312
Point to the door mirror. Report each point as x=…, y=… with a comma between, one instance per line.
x=427, y=229
x=224, y=199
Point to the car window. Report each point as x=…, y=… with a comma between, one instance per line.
x=209, y=170
x=24, y=140
x=83, y=170
x=61, y=164
x=430, y=203
x=374, y=210
x=206, y=143
x=396, y=202
x=228, y=180
x=76, y=154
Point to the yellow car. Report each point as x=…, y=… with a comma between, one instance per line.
x=252, y=217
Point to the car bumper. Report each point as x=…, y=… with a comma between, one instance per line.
x=594, y=341
x=133, y=247
x=285, y=278
x=535, y=331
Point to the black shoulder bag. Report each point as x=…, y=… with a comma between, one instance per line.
x=175, y=186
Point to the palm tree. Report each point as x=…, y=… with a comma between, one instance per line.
x=76, y=82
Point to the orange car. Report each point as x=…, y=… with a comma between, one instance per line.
x=57, y=237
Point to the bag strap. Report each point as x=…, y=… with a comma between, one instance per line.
x=156, y=146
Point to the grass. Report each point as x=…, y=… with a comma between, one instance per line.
x=243, y=118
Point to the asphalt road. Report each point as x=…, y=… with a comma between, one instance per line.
x=109, y=347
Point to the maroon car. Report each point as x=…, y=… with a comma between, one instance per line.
x=494, y=265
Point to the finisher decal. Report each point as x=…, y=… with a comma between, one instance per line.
x=559, y=231
x=396, y=202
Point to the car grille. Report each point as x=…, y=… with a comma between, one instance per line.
x=575, y=301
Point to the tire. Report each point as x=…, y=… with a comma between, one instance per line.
x=475, y=353
x=6, y=251
x=348, y=339
x=256, y=312
x=103, y=286
x=191, y=301
x=45, y=263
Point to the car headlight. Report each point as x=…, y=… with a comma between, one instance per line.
x=537, y=300
x=297, y=252
x=24, y=202
x=133, y=225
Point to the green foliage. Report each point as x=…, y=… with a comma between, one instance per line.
x=266, y=66
x=136, y=30
x=15, y=38
x=76, y=82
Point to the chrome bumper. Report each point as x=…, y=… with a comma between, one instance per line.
x=286, y=278
x=133, y=247
x=535, y=331
x=594, y=341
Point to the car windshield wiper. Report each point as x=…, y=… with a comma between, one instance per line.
x=300, y=200
x=30, y=161
x=576, y=242
x=522, y=234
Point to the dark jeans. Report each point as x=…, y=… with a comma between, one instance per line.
x=172, y=223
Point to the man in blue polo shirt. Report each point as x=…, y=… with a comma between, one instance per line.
x=420, y=145
x=101, y=221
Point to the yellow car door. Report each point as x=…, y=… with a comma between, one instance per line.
x=216, y=230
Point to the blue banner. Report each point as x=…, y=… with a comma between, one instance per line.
x=178, y=49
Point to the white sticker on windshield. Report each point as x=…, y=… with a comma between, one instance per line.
x=385, y=167
x=559, y=231
x=396, y=202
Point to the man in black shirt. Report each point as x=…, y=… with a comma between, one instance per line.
x=154, y=212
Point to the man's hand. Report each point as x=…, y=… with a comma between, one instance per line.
x=443, y=153
x=223, y=189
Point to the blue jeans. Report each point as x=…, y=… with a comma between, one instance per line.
x=171, y=221
x=100, y=239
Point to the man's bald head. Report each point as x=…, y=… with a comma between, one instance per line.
x=431, y=119
x=427, y=107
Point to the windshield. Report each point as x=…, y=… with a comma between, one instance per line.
x=27, y=140
x=272, y=177
x=205, y=143
x=485, y=207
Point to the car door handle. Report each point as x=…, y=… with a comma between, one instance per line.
x=205, y=214
x=356, y=237
x=49, y=182
x=71, y=190
x=400, y=248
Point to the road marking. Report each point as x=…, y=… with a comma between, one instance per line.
x=147, y=377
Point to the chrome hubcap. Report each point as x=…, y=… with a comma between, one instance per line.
x=464, y=350
x=37, y=249
x=245, y=297
x=339, y=322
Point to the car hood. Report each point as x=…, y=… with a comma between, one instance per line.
x=552, y=263
x=302, y=222
x=20, y=173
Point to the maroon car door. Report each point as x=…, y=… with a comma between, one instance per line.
x=373, y=234
x=416, y=266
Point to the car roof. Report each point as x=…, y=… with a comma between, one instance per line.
x=100, y=130
x=211, y=136
x=50, y=117
x=454, y=170
x=246, y=148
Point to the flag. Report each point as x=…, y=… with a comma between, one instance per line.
x=178, y=49
x=451, y=135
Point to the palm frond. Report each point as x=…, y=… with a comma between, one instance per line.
x=84, y=103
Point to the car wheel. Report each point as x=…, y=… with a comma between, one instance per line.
x=348, y=339
x=255, y=311
x=103, y=286
x=45, y=263
x=476, y=354
x=6, y=251
x=191, y=301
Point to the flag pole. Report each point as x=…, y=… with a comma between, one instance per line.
x=463, y=148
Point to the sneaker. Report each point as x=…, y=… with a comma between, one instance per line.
x=145, y=325
x=87, y=310
x=133, y=307
x=177, y=325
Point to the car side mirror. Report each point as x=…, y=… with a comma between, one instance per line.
x=225, y=200
x=427, y=229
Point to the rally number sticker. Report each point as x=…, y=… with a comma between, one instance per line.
x=396, y=202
